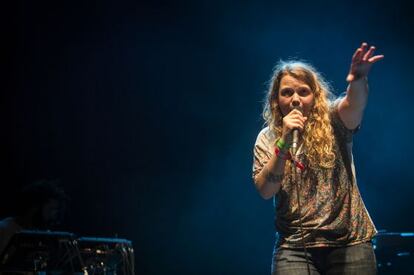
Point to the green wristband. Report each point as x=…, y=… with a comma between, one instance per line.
x=281, y=144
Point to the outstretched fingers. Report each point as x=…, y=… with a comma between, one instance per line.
x=359, y=53
x=362, y=61
x=375, y=58
x=369, y=53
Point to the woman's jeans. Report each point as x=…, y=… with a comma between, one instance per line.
x=355, y=259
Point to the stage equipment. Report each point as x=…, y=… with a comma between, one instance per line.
x=46, y=252
x=394, y=252
x=107, y=256
x=36, y=251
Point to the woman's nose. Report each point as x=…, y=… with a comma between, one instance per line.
x=295, y=100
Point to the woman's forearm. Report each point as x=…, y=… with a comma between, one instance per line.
x=352, y=106
x=357, y=93
x=269, y=180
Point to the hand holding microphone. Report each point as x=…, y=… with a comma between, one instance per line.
x=293, y=123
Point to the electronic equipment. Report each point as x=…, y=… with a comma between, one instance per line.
x=394, y=252
x=63, y=253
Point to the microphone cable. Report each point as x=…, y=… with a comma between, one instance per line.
x=297, y=179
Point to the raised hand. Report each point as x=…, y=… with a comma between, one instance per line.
x=362, y=61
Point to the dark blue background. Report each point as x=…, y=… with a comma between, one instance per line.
x=148, y=112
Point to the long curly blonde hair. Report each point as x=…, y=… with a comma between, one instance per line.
x=318, y=135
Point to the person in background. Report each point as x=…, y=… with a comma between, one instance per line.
x=40, y=206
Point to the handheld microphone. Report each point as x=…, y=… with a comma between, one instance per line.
x=295, y=134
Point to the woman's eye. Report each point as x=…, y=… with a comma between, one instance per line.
x=287, y=92
x=304, y=92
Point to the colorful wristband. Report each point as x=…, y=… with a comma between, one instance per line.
x=282, y=144
x=288, y=156
x=279, y=153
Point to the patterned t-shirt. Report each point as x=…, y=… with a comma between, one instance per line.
x=332, y=210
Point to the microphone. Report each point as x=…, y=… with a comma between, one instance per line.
x=295, y=134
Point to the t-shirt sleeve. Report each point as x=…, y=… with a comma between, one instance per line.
x=262, y=152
